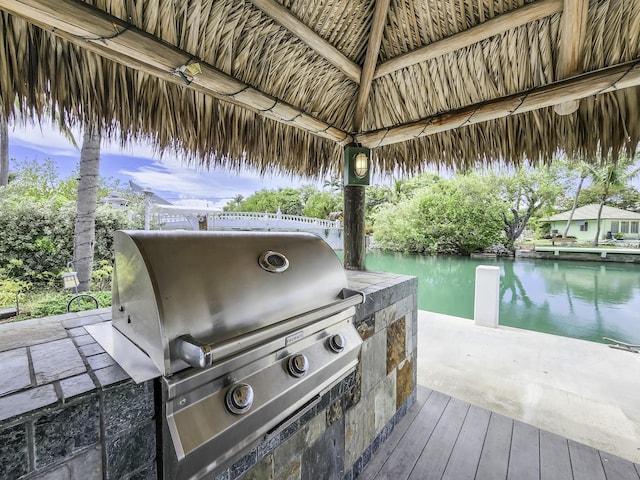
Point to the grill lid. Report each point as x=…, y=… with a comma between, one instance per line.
x=198, y=296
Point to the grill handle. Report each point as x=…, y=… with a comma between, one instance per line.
x=195, y=353
x=201, y=354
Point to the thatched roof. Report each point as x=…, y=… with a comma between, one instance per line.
x=289, y=82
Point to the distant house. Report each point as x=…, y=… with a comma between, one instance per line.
x=583, y=224
x=116, y=201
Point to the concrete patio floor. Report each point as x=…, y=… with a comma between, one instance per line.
x=581, y=390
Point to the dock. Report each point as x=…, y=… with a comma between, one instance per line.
x=583, y=391
x=505, y=403
x=593, y=254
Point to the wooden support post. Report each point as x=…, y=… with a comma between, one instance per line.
x=573, y=30
x=354, y=236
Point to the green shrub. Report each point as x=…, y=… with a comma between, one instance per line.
x=37, y=213
x=37, y=240
x=56, y=304
x=9, y=288
x=450, y=216
x=101, y=276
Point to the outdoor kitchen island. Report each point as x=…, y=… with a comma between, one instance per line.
x=68, y=411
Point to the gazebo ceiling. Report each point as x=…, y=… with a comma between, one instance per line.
x=286, y=83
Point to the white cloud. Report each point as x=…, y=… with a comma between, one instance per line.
x=214, y=186
x=43, y=138
x=47, y=139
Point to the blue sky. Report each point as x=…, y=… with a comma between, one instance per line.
x=166, y=177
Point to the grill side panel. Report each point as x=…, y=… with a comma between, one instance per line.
x=134, y=308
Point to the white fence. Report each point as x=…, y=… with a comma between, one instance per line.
x=240, y=220
x=330, y=231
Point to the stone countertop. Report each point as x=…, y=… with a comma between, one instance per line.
x=47, y=361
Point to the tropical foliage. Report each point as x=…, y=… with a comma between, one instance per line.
x=37, y=220
x=608, y=179
x=307, y=201
x=428, y=213
x=524, y=192
x=449, y=216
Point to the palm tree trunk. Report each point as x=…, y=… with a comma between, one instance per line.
x=575, y=205
x=595, y=240
x=4, y=150
x=85, y=223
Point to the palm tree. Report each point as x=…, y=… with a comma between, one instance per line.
x=609, y=178
x=4, y=149
x=334, y=184
x=584, y=171
x=85, y=222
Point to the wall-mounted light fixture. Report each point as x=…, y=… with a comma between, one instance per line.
x=357, y=165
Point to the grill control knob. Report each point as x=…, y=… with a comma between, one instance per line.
x=298, y=365
x=336, y=343
x=239, y=398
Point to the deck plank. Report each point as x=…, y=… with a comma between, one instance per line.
x=464, y=459
x=494, y=459
x=616, y=468
x=402, y=462
x=447, y=439
x=437, y=451
x=586, y=462
x=524, y=461
x=388, y=447
x=555, y=463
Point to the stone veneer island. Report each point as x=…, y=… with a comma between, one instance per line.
x=68, y=411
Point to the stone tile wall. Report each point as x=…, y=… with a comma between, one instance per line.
x=67, y=411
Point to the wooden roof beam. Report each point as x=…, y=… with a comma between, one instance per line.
x=573, y=30
x=495, y=26
x=106, y=35
x=373, y=49
x=314, y=41
x=608, y=79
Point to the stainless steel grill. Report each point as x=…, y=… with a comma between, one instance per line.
x=247, y=330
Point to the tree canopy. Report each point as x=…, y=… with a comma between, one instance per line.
x=468, y=212
x=449, y=216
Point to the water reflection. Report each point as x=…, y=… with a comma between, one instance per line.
x=576, y=299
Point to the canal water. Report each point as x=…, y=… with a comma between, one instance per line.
x=587, y=300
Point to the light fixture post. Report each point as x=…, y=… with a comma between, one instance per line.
x=357, y=166
x=357, y=174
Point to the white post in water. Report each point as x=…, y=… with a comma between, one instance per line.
x=487, y=300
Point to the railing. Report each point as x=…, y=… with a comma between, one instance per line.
x=269, y=219
x=245, y=220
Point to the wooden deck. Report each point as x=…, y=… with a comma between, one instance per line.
x=445, y=438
